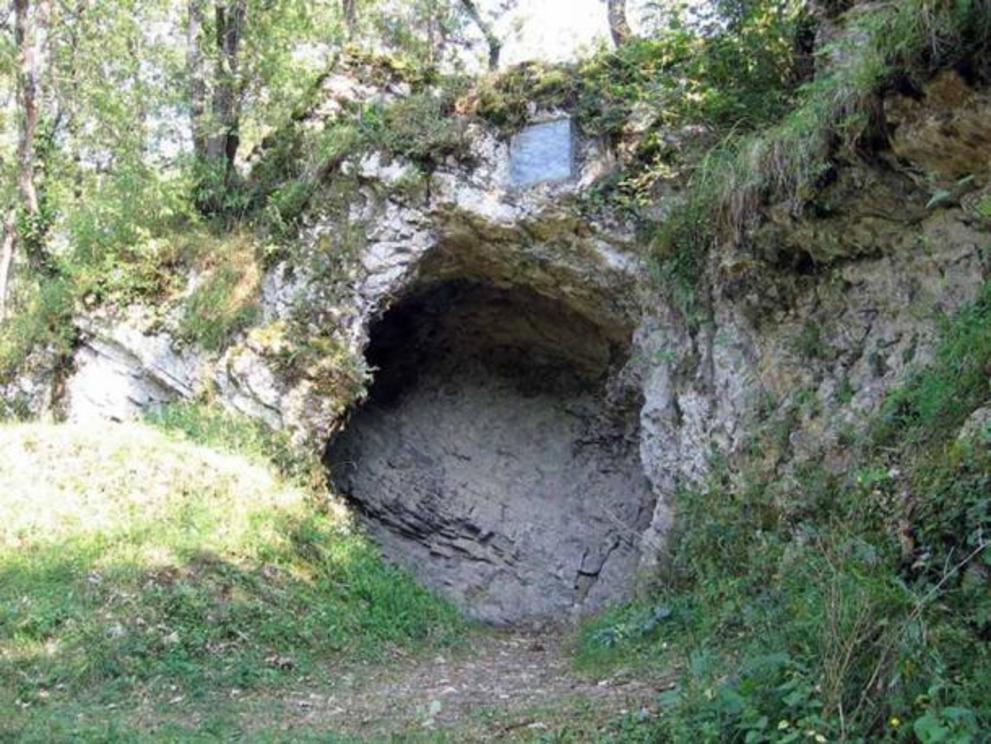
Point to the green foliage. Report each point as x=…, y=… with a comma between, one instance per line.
x=939, y=398
x=836, y=110
x=226, y=300
x=830, y=117
x=43, y=322
x=127, y=238
x=737, y=79
x=302, y=161
x=810, y=344
x=418, y=127
x=504, y=100
x=833, y=607
x=214, y=312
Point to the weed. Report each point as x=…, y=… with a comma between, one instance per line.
x=226, y=301
x=44, y=321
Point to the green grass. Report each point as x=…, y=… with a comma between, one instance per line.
x=910, y=39
x=138, y=570
x=226, y=301
x=938, y=399
x=830, y=120
x=220, y=430
x=834, y=607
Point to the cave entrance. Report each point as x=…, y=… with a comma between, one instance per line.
x=487, y=458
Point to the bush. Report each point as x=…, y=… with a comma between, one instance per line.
x=126, y=238
x=226, y=301
x=938, y=399
x=419, y=127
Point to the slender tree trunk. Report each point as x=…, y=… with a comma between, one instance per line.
x=495, y=45
x=27, y=63
x=350, y=9
x=222, y=145
x=29, y=23
x=7, y=258
x=197, y=78
x=432, y=32
x=619, y=27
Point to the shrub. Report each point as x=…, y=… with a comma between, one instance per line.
x=419, y=127
x=44, y=321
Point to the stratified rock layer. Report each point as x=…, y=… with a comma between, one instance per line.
x=488, y=458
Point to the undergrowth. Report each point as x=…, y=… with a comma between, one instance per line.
x=226, y=299
x=835, y=607
x=43, y=321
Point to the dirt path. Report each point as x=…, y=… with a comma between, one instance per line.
x=506, y=685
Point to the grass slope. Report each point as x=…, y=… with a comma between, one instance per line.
x=141, y=573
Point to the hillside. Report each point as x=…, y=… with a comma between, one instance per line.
x=637, y=397
x=141, y=570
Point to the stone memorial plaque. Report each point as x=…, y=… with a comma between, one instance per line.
x=543, y=153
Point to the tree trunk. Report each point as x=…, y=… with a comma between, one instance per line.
x=495, y=45
x=618, y=25
x=222, y=144
x=28, y=23
x=350, y=9
x=27, y=78
x=197, y=78
x=7, y=259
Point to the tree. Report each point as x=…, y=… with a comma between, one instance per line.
x=30, y=25
x=493, y=41
x=216, y=124
x=223, y=143
x=197, y=76
x=619, y=27
x=349, y=9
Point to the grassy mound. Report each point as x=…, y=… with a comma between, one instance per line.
x=139, y=570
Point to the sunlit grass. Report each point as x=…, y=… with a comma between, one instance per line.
x=137, y=568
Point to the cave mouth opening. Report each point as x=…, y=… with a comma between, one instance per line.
x=489, y=458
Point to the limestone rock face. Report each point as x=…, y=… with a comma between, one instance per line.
x=123, y=370
x=534, y=398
